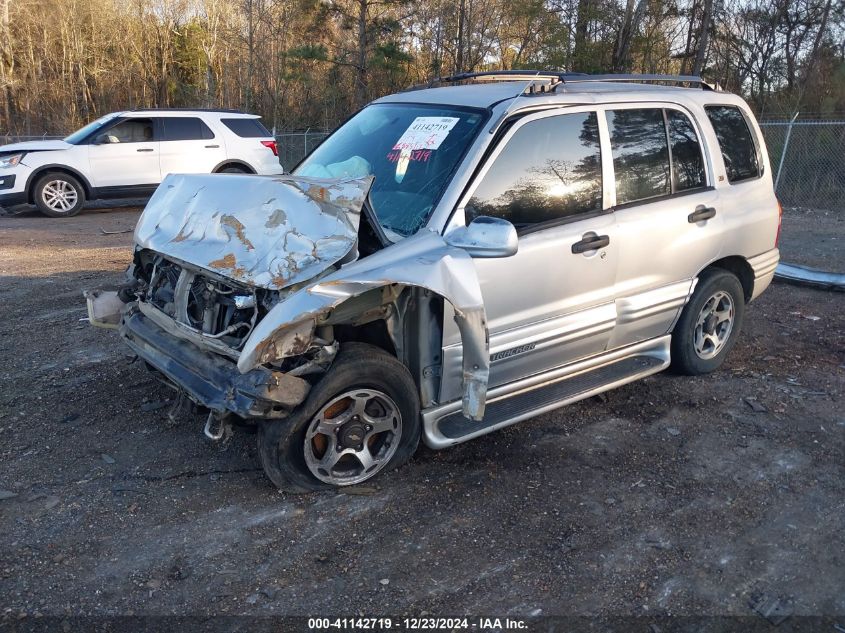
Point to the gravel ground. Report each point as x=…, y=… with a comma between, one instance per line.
x=674, y=495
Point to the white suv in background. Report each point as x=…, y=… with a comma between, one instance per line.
x=127, y=154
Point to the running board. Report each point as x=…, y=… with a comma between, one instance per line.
x=532, y=396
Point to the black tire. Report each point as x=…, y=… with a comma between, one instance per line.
x=282, y=443
x=234, y=170
x=685, y=358
x=66, y=182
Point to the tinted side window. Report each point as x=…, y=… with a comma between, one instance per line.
x=550, y=169
x=247, y=128
x=132, y=131
x=640, y=154
x=185, y=129
x=687, y=163
x=736, y=142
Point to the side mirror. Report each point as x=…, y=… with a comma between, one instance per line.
x=104, y=139
x=486, y=237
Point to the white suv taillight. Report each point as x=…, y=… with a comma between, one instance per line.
x=271, y=145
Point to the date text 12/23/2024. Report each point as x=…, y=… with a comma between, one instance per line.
x=417, y=624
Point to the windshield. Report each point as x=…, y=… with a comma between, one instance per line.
x=82, y=133
x=411, y=149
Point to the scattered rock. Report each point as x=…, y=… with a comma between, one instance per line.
x=269, y=592
x=755, y=405
x=70, y=417
x=154, y=406
x=7, y=494
x=252, y=598
x=51, y=502
x=774, y=610
x=673, y=431
x=384, y=582
x=107, y=458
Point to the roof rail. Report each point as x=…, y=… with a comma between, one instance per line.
x=557, y=77
x=228, y=111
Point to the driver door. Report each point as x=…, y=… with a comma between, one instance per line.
x=125, y=155
x=552, y=302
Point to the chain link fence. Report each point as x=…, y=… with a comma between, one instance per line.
x=807, y=156
x=808, y=161
x=294, y=146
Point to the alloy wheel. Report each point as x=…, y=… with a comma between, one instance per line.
x=59, y=195
x=353, y=437
x=714, y=325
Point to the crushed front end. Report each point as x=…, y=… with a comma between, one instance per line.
x=214, y=254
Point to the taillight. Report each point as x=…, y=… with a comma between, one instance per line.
x=271, y=145
x=780, y=222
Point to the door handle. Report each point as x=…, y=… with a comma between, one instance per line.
x=144, y=150
x=590, y=242
x=212, y=146
x=701, y=214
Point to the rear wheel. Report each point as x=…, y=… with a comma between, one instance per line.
x=58, y=195
x=233, y=170
x=709, y=324
x=361, y=419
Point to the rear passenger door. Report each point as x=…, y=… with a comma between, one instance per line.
x=668, y=213
x=552, y=302
x=189, y=146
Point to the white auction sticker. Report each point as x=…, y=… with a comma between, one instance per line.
x=426, y=132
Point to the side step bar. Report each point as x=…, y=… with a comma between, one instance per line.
x=508, y=404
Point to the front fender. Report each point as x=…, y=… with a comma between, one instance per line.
x=423, y=260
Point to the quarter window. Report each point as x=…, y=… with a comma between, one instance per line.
x=247, y=128
x=640, y=154
x=735, y=141
x=687, y=163
x=185, y=129
x=549, y=170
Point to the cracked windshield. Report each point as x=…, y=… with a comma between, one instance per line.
x=411, y=150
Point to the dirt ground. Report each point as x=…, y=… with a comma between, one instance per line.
x=674, y=495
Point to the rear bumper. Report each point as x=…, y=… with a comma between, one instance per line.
x=209, y=379
x=764, y=266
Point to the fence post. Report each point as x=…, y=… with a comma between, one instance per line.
x=783, y=153
x=306, y=142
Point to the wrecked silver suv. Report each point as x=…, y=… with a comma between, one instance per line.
x=451, y=261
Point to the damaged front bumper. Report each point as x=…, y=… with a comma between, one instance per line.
x=209, y=379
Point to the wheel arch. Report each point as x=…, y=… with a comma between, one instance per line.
x=233, y=162
x=54, y=168
x=741, y=269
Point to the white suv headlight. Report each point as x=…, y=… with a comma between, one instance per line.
x=11, y=160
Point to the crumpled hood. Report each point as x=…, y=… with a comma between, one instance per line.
x=35, y=146
x=269, y=232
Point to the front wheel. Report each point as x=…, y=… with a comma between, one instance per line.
x=58, y=195
x=709, y=324
x=361, y=419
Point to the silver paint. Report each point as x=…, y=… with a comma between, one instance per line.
x=423, y=260
x=269, y=232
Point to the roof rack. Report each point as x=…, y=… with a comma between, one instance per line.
x=228, y=111
x=556, y=77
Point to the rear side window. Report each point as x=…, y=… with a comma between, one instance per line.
x=185, y=129
x=687, y=163
x=640, y=154
x=247, y=128
x=735, y=141
x=549, y=170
